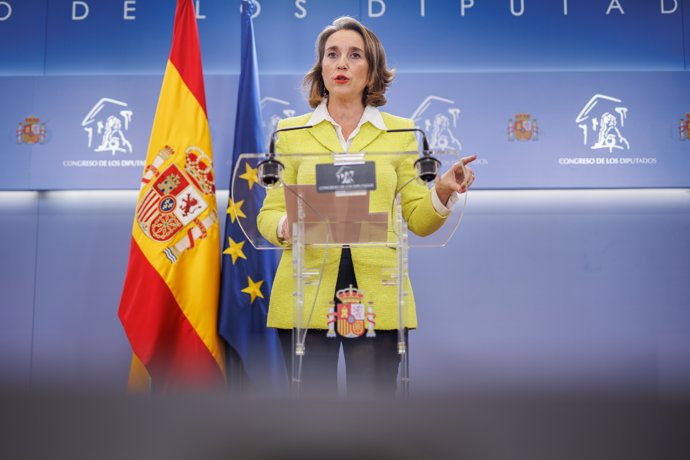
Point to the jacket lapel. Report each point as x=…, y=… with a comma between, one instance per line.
x=324, y=133
x=366, y=135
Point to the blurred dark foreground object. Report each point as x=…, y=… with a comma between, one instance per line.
x=69, y=424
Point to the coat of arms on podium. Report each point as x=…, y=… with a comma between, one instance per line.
x=350, y=317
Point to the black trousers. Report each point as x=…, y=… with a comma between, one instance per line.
x=371, y=364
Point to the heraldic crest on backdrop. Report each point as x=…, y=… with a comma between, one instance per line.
x=175, y=200
x=31, y=131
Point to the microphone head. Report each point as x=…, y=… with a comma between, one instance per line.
x=427, y=168
x=270, y=172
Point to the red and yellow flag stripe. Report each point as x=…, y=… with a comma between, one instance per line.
x=170, y=297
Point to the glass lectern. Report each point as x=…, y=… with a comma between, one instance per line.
x=364, y=201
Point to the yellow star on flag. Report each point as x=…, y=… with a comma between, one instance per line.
x=235, y=250
x=254, y=289
x=235, y=210
x=250, y=175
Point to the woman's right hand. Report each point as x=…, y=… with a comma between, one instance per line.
x=284, y=231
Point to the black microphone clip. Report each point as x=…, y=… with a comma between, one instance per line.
x=270, y=170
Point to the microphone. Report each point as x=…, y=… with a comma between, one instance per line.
x=426, y=165
x=270, y=170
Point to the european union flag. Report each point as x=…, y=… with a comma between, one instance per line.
x=247, y=274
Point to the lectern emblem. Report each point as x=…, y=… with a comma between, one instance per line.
x=345, y=175
x=350, y=316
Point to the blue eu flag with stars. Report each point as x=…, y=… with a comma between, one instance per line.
x=247, y=274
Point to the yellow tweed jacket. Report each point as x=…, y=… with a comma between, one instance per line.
x=391, y=173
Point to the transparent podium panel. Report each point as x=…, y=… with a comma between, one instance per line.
x=325, y=210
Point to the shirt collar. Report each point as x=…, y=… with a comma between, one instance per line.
x=371, y=114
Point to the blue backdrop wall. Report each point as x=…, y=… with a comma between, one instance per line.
x=590, y=93
x=568, y=270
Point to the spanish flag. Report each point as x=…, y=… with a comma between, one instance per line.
x=170, y=297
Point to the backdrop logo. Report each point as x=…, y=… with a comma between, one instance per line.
x=273, y=110
x=523, y=128
x=684, y=128
x=438, y=117
x=106, y=125
x=602, y=121
x=31, y=131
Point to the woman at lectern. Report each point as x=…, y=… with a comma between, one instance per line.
x=345, y=87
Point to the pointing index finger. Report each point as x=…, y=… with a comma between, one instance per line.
x=468, y=160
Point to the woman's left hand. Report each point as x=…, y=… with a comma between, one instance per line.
x=458, y=178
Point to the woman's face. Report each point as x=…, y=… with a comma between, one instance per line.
x=345, y=66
